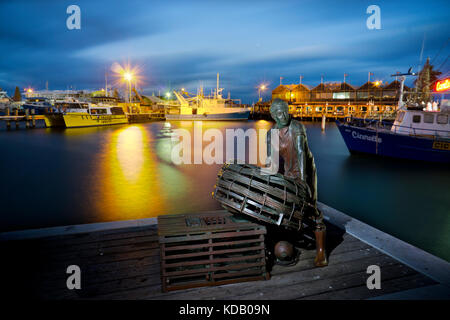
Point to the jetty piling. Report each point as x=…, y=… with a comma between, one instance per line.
x=33, y=118
x=27, y=118
x=16, y=113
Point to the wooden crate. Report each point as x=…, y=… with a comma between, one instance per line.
x=210, y=249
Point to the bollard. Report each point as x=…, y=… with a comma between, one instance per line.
x=33, y=118
x=324, y=119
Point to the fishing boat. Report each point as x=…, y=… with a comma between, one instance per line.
x=5, y=101
x=73, y=113
x=213, y=107
x=421, y=131
x=40, y=105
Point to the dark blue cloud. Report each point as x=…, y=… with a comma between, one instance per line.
x=181, y=43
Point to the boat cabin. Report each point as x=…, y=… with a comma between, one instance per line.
x=422, y=123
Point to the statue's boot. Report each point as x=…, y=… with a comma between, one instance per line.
x=321, y=256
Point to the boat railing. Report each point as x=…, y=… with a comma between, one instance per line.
x=435, y=133
x=381, y=125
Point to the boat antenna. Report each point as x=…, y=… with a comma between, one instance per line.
x=421, y=50
x=106, y=82
x=400, y=105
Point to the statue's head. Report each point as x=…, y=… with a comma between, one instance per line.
x=279, y=110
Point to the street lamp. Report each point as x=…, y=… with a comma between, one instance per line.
x=128, y=76
x=261, y=88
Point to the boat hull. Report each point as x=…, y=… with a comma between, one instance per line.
x=85, y=120
x=241, y=115
x=364, y=140
x=54, y=120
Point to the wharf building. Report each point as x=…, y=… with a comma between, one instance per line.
x=338, y=99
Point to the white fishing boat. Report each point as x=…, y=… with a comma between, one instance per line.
x=5, y=101
x=213, y=107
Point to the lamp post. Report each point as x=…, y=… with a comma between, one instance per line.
x=128, y=77
x=261, y=88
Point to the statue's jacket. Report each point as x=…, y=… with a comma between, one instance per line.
x=304, y=157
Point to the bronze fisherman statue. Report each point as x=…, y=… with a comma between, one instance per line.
x=298, y=163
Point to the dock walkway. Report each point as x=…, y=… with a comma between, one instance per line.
x=121, y=260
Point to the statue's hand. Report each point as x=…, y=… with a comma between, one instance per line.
x=270, y=168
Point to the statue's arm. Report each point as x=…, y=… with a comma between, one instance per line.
x=301, y=155
x=309, y=166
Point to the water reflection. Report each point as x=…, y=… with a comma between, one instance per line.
x=128, y=182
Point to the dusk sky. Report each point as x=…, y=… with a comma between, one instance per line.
x=180, y=43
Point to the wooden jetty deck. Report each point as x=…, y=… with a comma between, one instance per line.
x=123, y=262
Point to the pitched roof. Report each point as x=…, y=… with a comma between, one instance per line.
x=301, y=87
x=395, y=85
x=344, y=86
x=330, y=86
x=369, y=86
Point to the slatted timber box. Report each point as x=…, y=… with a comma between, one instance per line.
x=210, y=249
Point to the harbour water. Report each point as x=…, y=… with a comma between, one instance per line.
x=63, y=177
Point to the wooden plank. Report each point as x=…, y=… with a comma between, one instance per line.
x=388, y=286
x=328, y=284
x=105, y=235
x=215, y=252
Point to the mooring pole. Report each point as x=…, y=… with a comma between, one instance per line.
x=27, y=121
x=324, y=119
x=33, y=118
x=8, y=123
x=17, y=121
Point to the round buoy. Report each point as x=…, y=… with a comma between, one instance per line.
x=284, y=251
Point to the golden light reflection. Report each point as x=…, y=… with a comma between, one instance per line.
x=129, y=149
x=130, y=183
x=135, y=178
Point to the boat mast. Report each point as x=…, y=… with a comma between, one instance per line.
x=400, y=105
x=400, y=96
x=217, y=90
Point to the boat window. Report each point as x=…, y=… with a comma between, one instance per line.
x=442, y=118
x=416, y=118
x=98, y=111
x=117, y=110
x=428, y=118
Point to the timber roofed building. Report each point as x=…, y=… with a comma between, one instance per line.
x=338, y=99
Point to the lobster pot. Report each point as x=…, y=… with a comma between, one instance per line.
x=273, y=199
x=210, y=249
